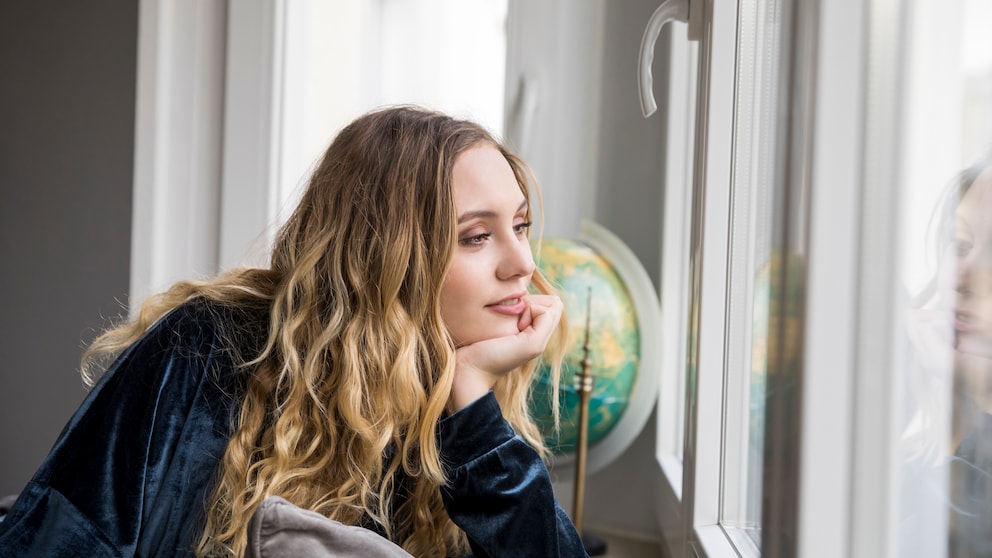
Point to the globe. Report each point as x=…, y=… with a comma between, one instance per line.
x=602, y=284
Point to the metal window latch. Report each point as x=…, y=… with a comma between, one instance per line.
x=686, y=11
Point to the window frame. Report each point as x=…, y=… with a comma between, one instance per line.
x=836, y=81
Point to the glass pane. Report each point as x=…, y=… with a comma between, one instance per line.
x=945, y=356
x=756, y=266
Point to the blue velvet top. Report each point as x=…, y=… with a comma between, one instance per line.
x=132, y=470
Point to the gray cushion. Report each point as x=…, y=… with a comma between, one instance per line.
x=280, y=529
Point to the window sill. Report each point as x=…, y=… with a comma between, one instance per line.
x=713, y=542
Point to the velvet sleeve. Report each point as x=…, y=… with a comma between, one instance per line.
x=130, y=471
x=499, y=491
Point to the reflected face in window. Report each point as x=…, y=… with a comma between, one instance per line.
x=973, y=287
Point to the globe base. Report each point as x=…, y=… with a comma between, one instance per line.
x=595, y=546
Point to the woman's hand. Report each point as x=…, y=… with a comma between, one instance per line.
x=479, y=365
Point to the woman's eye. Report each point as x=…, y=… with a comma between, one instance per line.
x=475, y=240
x=522, y=228
x=962, y=247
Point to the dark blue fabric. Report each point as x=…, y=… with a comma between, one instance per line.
x=499, y=490
x=969, y=495
x=132, y=470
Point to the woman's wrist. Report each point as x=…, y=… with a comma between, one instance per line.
x=469, y=385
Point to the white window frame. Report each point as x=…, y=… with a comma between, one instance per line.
x=714, y=173
x=828, y=507
x=676, y=210
x=177, y=157
x=688, y=499
x=206, y=165
x=833, y=520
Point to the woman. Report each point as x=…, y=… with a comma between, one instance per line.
x=949, y=438
x=365, y=375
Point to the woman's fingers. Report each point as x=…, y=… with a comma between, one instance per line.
x=526, y=317
x=535, y=326
x=481, y=364
x=543, y=314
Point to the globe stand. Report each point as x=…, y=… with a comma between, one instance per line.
x=595, y=546
x=584, y=380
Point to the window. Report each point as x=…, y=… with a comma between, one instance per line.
x=759, y=262
x=343, y=58
x=841, y=287
x=942, y=320
x=747, y=255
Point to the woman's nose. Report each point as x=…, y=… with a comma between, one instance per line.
x=962, y=284
x=517, y=260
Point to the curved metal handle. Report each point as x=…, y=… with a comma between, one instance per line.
x=669, y=10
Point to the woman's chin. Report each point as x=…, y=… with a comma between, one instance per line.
x=974, y=347
x=502, y=330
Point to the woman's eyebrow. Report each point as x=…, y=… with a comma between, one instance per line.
x=485, y=213
x=468, y=215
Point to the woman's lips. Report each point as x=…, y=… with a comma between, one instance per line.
x=964, y=322
x=510, y=306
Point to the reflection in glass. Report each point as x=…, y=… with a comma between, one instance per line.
x=758, y=263
x=970, y=518
x=948, y=441
x=945, y=494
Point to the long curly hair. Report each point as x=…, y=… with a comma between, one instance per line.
x=340, y=411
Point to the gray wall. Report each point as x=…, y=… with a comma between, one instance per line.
x=629, y=203
x=67, y=89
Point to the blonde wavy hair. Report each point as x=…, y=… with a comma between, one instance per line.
x=346, y=392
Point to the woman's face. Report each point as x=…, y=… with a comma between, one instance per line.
x=492, y=265
x=973, y=287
